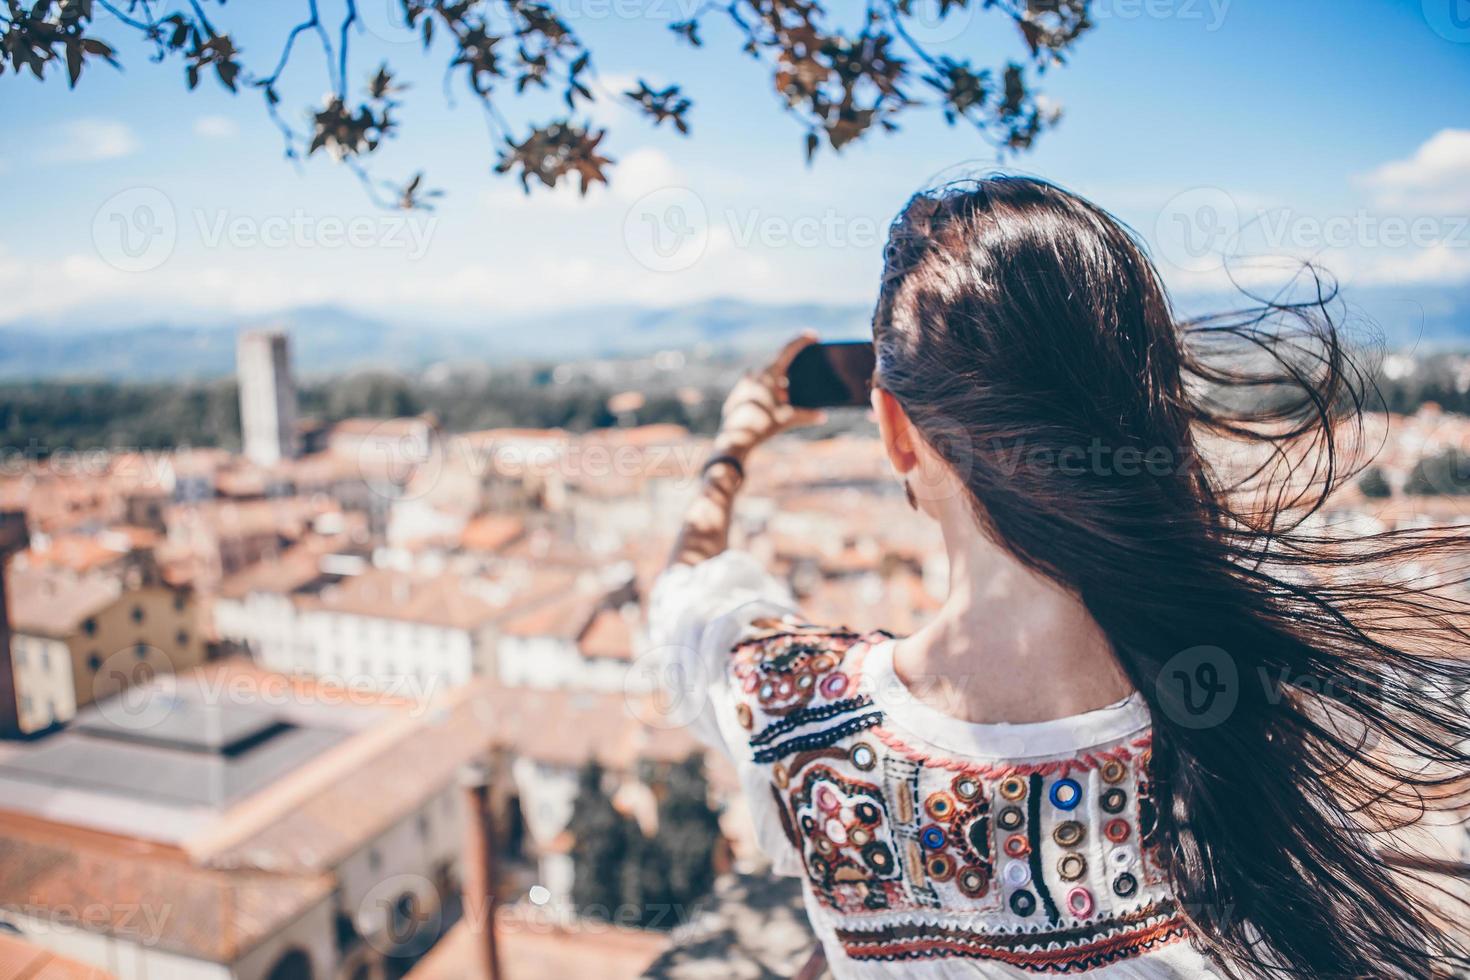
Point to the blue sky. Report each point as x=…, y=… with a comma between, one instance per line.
x=1219, y=129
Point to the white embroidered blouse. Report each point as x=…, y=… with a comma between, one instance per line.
x=928, y=846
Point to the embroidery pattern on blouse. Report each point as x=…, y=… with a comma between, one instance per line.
x=1049, y=867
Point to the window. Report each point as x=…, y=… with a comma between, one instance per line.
x=137, y=614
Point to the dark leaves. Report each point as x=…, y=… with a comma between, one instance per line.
x=662, y=104
x=964, y=90
x=552, y=152
x=840, y=81
x=48, y=31
x=689, y=31
x=412, y=197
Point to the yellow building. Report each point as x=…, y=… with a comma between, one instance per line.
x=78, y=638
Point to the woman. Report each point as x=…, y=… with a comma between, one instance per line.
x=1158, y=728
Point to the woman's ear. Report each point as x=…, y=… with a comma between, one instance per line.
x=897, y=431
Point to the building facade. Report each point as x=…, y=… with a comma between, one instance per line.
x=267, y=397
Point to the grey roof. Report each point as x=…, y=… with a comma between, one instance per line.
x=179, y=723
x=170, y=751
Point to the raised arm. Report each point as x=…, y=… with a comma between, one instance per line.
x=756, y=409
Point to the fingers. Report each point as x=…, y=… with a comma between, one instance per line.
x=805, y=416
x=788, y=353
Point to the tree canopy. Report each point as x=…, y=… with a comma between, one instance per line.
x=839, y=81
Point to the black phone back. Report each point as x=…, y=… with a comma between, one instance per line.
x=832, y=375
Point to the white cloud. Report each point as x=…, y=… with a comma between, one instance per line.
x=90, y=140
x=1436, y=177
x=643, y=171
x=215, y=127
x=1438, y=264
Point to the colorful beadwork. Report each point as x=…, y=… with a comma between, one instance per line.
x=915, y=855
x=1068, y=834
x=1016, y=873
x=1066, y=794
x=1080, y=902
x=974, y=882
x=834, y=685
x=940, y=806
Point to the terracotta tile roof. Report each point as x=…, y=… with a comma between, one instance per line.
x=533, y=948
x=383, y=428
x=150, y=897
x=566, y=616
x=76, y=552
x=19, y=960
x=660, y=434
x=446, y=600
x=317, y=469
x=491, y=532
x=501, y=436
x=560, y=727
x=296, y=567
x=541, y=549
x=52, y=602
x=609, y=634
x=284, y=516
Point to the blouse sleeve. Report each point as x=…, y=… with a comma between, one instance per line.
x=697, y=614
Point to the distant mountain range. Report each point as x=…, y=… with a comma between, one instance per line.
x=329, y=339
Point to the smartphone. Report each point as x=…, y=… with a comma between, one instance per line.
x=832, y=375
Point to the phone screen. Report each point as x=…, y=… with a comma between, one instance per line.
x=832, y=375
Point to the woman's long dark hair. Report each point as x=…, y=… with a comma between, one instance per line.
x=1303, y=686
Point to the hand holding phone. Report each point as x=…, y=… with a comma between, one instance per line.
x=836, y=375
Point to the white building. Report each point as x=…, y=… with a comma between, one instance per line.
x=267, y=397
x=405, y=633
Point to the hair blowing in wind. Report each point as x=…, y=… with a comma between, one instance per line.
x=1020, y=325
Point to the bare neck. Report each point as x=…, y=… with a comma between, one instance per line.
x=1009, y=644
